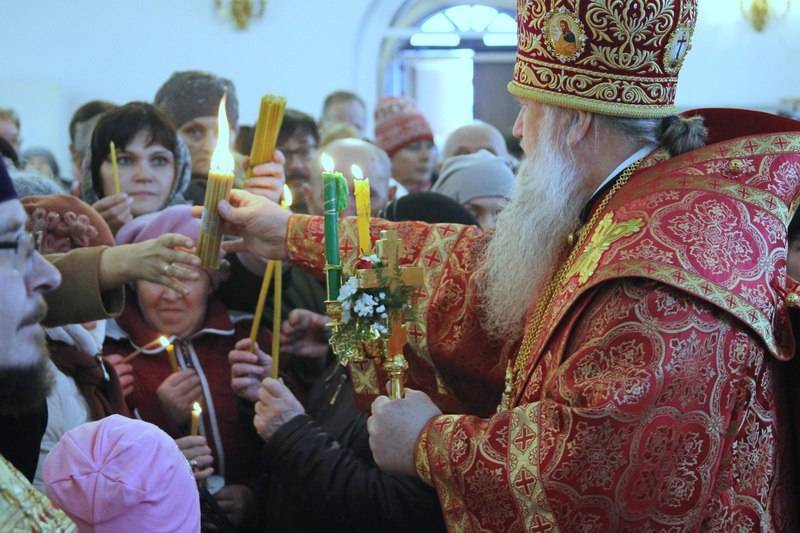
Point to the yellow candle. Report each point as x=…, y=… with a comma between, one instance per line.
x=218, y=188
x=173, y=360
x=197, y=414
x=262, y=298
x=276, y=319
x=286, y=203
x=363, y=210
x=114, y=168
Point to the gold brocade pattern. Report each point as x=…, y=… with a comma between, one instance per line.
x=23, y=508
x=606, y=56
x=603, y=237
x=691, y=206
x=433, y=247
x=534, y=328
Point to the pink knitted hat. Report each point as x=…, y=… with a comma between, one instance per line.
x=122, y=474
x=175, y=219
x=398, y=124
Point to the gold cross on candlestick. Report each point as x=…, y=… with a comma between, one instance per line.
x=391, y=275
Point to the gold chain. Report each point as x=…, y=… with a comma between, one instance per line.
x=533, y=330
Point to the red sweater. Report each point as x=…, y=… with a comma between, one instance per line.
x=231, y=437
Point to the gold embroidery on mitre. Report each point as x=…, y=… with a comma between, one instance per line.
x=606, y=234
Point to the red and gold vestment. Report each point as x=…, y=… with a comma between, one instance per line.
x=651, y=393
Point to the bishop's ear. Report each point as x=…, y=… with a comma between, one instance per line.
x=580, y=128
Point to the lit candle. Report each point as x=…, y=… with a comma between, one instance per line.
x=334, y=188
x=173, y=360
x=220, y=182
x=361, y=191
x=197, y=414
x=114, y=167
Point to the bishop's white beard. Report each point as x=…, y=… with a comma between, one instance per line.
x=524, y=253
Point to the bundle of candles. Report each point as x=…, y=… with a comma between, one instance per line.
x=218, y=188
x=270, y=118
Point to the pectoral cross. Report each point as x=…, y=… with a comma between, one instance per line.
x=391, y=275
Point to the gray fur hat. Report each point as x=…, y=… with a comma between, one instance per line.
x=193, y=93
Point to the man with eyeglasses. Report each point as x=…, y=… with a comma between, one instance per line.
x=25, y=276
x=298, y=140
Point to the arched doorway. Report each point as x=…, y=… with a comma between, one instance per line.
x=454, y=58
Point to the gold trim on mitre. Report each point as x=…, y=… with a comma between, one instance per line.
x=611, y=57
x=587, y=104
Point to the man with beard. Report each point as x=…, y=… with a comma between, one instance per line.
x=24, y=378
x=635, y=292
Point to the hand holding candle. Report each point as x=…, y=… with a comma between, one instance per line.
x=218, y=188
x=363, y=209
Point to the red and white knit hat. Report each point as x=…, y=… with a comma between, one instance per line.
x=398, y=123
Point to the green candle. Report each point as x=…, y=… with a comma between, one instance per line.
x=334, y=190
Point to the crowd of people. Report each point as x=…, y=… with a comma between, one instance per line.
x=603, y=340
x=103, y=363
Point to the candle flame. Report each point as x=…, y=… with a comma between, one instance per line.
x=286, y=201
x=222, y=158
x=356, y=171
x=164, y=341
x=327, y=162
x=196, y=408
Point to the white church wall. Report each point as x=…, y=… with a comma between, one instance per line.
x=57, y=55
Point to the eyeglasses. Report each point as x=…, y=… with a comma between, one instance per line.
x=304, y=153
x=24, y=246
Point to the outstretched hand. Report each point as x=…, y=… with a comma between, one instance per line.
x=161, y=260
x=305, y=334
x=248, y=369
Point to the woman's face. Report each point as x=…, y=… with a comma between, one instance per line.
x=172, y=313
x=146, y=174
x=413, y=164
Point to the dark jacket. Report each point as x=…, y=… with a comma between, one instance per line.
x=323, y=477
x=233, y=440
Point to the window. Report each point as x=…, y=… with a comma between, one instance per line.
x=446, y=28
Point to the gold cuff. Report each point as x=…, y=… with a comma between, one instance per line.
x=421, y=454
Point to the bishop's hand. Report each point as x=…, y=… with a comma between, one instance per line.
x=394, y=428
x=260, y=223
